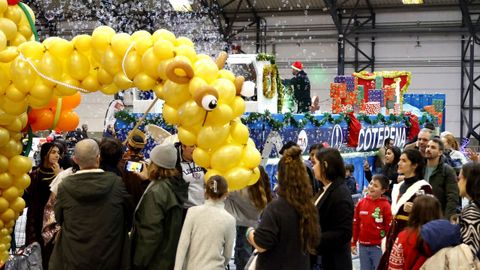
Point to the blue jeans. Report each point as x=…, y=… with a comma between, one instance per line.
x=369, y=257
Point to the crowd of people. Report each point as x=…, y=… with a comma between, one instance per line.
x=101, y=212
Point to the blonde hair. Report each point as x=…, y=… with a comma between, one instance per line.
x=452, y=142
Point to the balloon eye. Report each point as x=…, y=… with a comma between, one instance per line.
x=209, y=102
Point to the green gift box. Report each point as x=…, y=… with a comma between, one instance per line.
x=378, y=82
x=438, y=104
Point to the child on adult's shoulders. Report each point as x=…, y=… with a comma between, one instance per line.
x=371, y=222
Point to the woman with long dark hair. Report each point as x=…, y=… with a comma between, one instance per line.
x=411, y=166
x=389, y=168
x=335, y=209
x=288, y=231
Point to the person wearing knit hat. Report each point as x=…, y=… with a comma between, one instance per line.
x=159, y=215
x=301, y=87
x=136, y=139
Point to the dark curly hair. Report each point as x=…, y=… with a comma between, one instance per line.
x=295, y=187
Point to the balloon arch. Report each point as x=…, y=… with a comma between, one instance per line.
x=45, y=78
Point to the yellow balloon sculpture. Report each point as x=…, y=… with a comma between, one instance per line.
x=201, y=98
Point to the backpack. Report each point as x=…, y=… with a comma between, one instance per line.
x=455, y=164
x=458, y=257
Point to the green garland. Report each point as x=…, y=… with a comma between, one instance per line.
x=128, y=118
x=266, y=57
x=289, y=120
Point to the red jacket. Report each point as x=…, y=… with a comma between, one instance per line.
x=405, y=254
x=371, y=221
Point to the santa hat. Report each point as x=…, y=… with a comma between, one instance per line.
x=297, y=65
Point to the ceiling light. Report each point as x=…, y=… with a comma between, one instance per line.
x=181, y=5
x=412, y=2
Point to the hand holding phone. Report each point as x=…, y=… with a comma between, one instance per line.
x=133, y=166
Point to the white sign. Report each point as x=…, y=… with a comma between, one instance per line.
x=302, y=140
x=336, y=139
x=372, y=138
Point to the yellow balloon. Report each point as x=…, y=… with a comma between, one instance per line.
x=12, y=107
x=4, y=138
x=8, y=215
x=191, y=114
x=226, y=157
x=82, y=43
x=101, y=38
x=122, y=82
x=8, y=27
x=9, y=54
x=163, y=34
x=144, y=82
x=3, y=41
x=239, y=132
x=176, y=94
x=32, y=50
x=188, y=51
x=5, y=118
x=143, y=41
x=255, y=176
x=14, y=94
x=91, y=83
x=12, y=148
x=78, y=66
x=211, y=173
x=120, y=44
x=23, y=76
x=6, y=180
x=238, y=107
x=163, y=49
x=17, y=205
x=51, y=67
x=196, y=83
x=158, y=89
x=25, y=30
x=110, y=89
x=4, y=80
x=19, y=165
x=10, y=194
x=14, y=13
x=220, y=116
x=210, y=138
x=22, y=181
x=201, y=157
x=3, y=6
x=162, y=69
x=17, y=135
x=4, y=204
x=41, y=91
x=170, y=115
x=15, y=125
x=133, y=64
x=251, y=157
x=226, y=90
x=186, y=136
x=206, y=69
x=66, y=89
x=150, y=63
x=111, y=62
x=104, y=77
x=60, y=48
x=184, y=41
x=18, y=40
x=238, y=178
x=226, y=74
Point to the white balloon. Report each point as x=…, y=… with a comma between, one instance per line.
x=248, y=89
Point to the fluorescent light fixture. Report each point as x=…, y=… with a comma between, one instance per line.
x=412, y=2
x=181, y=5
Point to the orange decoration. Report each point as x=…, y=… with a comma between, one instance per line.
x=68, y=121
x=40, y=119
x=71, y=102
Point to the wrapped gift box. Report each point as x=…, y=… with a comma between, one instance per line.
x=336, y=105
x=339, y=79
x=338, y=90
x=378, y=82
x=396, y=109
x=438, y=104
x=429, y=109
x=350, y=82
x=376, y=95
x=372, y=107
x=347, y=108
x=360, y=94
x=390, y=104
